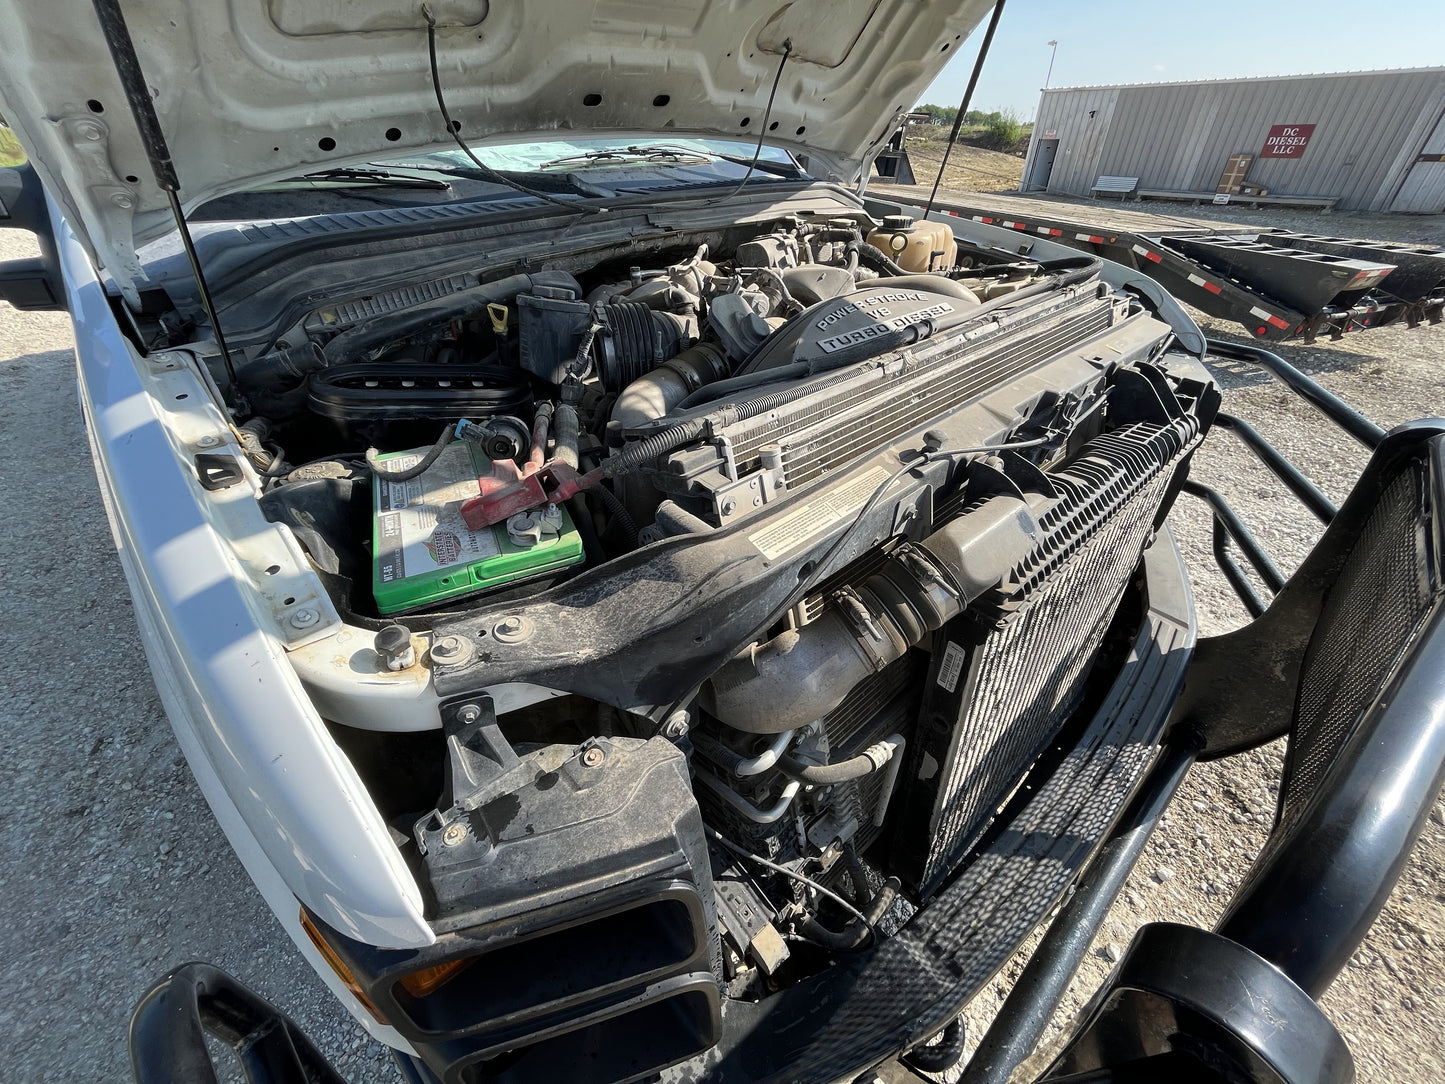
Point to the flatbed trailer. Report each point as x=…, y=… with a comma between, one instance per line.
x=1278, y=284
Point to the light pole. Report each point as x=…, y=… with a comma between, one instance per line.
x=1051, y=64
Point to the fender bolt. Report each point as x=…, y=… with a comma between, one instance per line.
x=454, y=834
x=304, y=619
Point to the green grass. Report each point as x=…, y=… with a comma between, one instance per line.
x=11, y=153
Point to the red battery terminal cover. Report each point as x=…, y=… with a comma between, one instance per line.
x=554, y=482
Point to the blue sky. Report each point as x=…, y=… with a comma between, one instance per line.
x=1138, y=41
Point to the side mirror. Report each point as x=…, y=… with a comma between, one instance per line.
x=32, y=283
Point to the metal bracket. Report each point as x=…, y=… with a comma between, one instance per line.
x=115, y=202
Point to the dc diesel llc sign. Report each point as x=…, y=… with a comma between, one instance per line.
x=1287, y=141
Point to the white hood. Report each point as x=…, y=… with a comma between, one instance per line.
x=253, y=90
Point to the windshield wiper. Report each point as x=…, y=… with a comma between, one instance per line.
x=777, y=169
x=371, y=178
x=574, y=184
x=634, y=153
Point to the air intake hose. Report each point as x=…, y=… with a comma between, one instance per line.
x=802, y=674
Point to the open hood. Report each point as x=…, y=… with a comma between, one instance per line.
x=252, y=90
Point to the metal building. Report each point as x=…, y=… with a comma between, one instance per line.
x=1374, y=141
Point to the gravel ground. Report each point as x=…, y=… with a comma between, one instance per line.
x=112, y=869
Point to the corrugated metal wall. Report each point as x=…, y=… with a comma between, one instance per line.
x=1369, y=129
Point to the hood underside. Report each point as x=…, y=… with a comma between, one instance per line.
x=252, y=90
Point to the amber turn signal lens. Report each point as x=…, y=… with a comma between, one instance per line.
x=337, y=964
x=430, y=979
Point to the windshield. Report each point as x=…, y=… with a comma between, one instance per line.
x=583, y=169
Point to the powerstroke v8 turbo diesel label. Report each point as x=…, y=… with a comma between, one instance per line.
x=812, y=518
x=885, y=313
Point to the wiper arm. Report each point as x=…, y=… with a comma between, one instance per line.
x=633, y=153
x=469, y=173
x=777, y=169
x=378, y=178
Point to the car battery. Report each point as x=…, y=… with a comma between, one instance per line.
x=424, y=554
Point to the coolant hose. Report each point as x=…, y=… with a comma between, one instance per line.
x=874, y=257
x=853, y=936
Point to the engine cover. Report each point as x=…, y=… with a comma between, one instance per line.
x=868, y=320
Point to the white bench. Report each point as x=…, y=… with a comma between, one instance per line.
x=1119, y=186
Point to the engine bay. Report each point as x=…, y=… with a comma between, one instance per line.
x=734, y=593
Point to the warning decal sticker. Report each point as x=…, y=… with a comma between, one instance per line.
x=816, y=516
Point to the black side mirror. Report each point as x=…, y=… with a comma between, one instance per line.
x=32, y=283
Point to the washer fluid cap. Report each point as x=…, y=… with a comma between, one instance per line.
x=897, y=222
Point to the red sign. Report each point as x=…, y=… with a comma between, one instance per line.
x=1287, y=141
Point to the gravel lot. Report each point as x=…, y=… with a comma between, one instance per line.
x=112, y=869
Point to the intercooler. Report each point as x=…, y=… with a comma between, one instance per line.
x=1008, y=673
x=830, y=425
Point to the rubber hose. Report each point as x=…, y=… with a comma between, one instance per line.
x=373, y=461
x=826, y=775
x=658, y=393
x=874, y=257
x=853, y=936
x=565, y=431
x=943, y=1055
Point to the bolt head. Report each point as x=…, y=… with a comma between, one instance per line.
x=729, y=506
x=451, y=651
x=91, y=132
x=304, y=618
x=468, y=714
x=512, y=629
x=677, y=725
x=208, y=441
x=455, y=834
x=593, y=757
x=121, y=200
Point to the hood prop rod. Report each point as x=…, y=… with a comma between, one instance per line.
x=142, y=110
x=962, y=106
